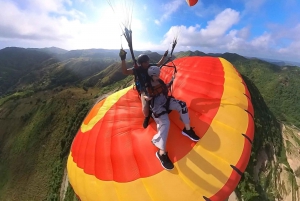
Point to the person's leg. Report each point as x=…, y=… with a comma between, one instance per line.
x=145, y=106
x=163, y=126
x=181, y=107
x=160, y=141
x=146, y=111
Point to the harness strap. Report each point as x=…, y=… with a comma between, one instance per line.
x=141, y=82
x=167, y=105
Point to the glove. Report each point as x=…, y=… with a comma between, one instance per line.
x=166, y=53
x=122, y=54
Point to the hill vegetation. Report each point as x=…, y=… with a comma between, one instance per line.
x=279, y=87
x=46, y=93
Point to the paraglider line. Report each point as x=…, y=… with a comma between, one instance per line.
x=247, y=138
x=250, y=114
x=237, y=170
x=247, y=96
x=206, y=199
x=126, y=25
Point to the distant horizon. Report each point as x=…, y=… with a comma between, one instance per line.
x=162, y=51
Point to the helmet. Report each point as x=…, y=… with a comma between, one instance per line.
x=142, y=58
x=153, y=70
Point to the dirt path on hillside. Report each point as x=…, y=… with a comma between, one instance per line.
x=262, y=160
x=64, y=185
x=293, y=149
x=232, y=197
x=292, y=153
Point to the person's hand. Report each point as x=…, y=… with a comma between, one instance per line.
x=147, y=98
x=122, y=54
x=166, y=53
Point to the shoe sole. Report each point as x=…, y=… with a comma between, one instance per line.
x=161, y=163
x=183, y=133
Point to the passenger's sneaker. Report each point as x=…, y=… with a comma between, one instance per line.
x=165, y=161
x=146, y=121
x=191, y=134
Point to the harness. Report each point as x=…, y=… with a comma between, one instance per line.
x=162, y=89
x=166, y=106
x=141, y=80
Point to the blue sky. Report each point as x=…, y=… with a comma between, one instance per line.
x=260, y=28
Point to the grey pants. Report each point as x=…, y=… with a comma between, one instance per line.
x=145, y=106
x=163, y=122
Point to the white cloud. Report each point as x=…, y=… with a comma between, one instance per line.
x=254, y=5
x=221, y=23
x=27, y=24
x=293, y=35
x=244, y=33
x=55, y=6
x=168, y=10
x=208, y=36
x=51, y=23
x=264, y=41
x=218, y=36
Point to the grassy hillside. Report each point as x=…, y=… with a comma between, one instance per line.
x=109, y=75
x=35, y=148
x=37, y=143
x=279, y=87
x=40, y=116
x=17, y=62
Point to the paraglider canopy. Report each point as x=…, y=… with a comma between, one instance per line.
x=191, y=2
x=112, y=157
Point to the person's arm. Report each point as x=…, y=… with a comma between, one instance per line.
x=162, y=59
x=147, y=98
x=125, y=71
x=124, y=68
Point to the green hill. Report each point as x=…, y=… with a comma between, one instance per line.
x=17, y=62
x=279, y=86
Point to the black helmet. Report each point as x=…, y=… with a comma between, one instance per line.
x=142, y=58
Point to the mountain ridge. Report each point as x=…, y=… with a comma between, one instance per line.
x=57, y=50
